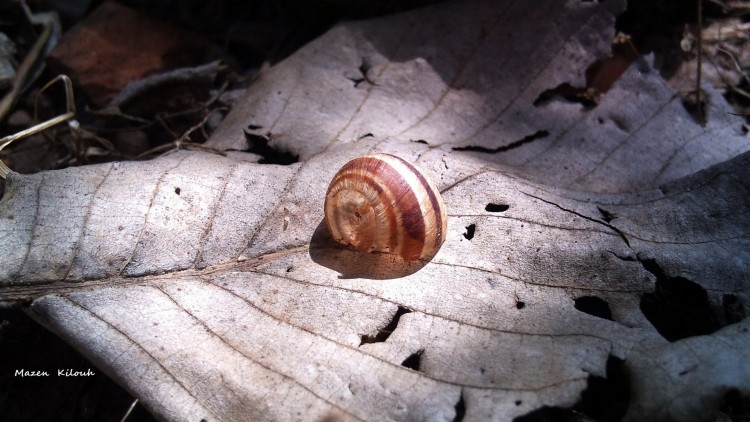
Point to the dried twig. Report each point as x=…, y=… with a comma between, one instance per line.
x=736, y=63
x=698, y=92
x=23, y=72
x=184, y=142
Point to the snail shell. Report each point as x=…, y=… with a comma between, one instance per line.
x=382, y=203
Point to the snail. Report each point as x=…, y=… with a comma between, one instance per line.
x=382, y=203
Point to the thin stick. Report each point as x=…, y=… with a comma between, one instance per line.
x=185, y=142
x=130, y=409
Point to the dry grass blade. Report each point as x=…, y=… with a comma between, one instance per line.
x=70, y=113
x=23, y=72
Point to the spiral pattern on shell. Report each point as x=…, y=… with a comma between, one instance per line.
x=382, y=203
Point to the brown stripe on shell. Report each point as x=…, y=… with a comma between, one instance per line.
x=434, y=202
x=408, y=205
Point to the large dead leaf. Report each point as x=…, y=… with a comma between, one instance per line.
x=208, y=287
x=467, y=76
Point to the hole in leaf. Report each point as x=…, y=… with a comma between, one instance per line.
x=520, y=305
x=595, y=306
x=460, y=409
x=534, y=136
x=364, y=68
x=414, y=360
x=420, y=141
x=496, y=207
x=386, y=331
x=678, y=308
x=470, y=231
x=260, y=144
x=177, y=190
x=604, y=399
x=600, y=76
x=606, y=215
x=519, y=402
x=254, y=127
x=567, y=92
x=735, y=406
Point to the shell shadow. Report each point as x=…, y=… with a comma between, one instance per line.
x=351, y=263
